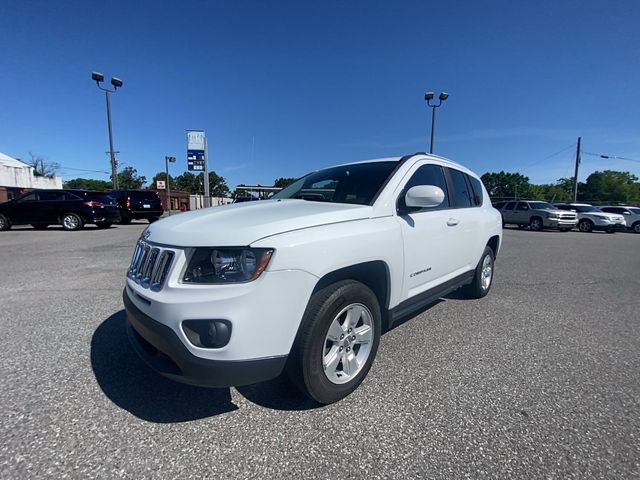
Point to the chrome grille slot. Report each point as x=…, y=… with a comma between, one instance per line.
x=150, y=265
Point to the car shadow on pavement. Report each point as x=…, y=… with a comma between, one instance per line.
x=278, y=394
x=133, y=386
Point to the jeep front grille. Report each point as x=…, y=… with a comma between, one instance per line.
x=150, y=265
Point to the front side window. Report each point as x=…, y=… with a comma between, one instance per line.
x=461, y=195
x=522, y=206
x=356, y=183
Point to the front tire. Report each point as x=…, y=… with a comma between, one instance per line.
x=71, y=222
x=536, y=224
x=635, y=227
x=483, y=277
x=337, y=341
x=585, y=226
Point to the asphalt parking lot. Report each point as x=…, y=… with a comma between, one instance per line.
x=541, y=379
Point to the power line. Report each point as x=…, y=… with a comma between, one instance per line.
x=612, y=157
x=548, y=157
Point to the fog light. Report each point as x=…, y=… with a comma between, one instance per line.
x=207, y=333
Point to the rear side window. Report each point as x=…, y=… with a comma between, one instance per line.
x=510, y=206
x=476, y=186
x=461, y=197
x=50, y=196
x=99, y=197
x=428, y=175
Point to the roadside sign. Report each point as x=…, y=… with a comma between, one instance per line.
x=195, y=150
x=161, y=184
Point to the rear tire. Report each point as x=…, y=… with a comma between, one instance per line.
x=125, y=221
x=483, y=277
x=636, y=227
x=4, y=223
x=337, y=341
x=585, y=225
x=72, y=222
x=153, y=219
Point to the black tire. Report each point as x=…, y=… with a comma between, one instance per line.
x=125, y=221
x=536, y=224
x=305, y=362
x=39, y=226
x=103, y=225
x=564, y=229
x=636, y=227
x=522, y=227
x=478, y=288
x=71, y=222
x=585, y=225
x=153, y=219
x=611, y=230
x=5, y=224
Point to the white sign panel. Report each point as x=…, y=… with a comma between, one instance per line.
x=195, y=140
x=161, y=184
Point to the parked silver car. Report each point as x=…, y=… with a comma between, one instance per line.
x=537, y=215
x=592, y=218
x=631, y=215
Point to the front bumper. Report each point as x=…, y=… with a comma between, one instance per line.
x=162, y=350
x=560, y=223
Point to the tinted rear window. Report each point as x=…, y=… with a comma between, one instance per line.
x=143, y=195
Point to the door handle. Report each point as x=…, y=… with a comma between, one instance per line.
x=452, y=222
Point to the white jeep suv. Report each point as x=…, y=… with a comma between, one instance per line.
x=306, y=281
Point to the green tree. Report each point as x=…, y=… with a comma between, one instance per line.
x=217, y=185
x=194, y=184
x=88, y=184
x=188, y=182
x=129, y=179
x=283, y=182
x=506, y=185
x=610, y=186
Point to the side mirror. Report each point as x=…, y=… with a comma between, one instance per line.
x=424, y=196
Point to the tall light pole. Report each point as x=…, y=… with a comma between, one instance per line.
x=167, y=160
x=429, y=97
x=117, y=83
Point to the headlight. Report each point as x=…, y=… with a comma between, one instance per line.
x=226, y=265
x=554, y=215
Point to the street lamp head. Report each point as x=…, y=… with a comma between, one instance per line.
x=443, y=96
x=97, y=76
x=170, y=159
x=428, y=96
x=116, y=82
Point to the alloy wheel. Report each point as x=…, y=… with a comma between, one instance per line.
x=347, y=344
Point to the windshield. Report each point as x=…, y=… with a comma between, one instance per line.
x=541, y=206
x=357, y=183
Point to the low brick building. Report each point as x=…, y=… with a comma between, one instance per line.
x=17, y=177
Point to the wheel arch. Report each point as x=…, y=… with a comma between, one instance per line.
x=494, y=245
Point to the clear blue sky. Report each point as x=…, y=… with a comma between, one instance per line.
x=320, y=83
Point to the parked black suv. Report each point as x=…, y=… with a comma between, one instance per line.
x=70, y=208
x=136, y=204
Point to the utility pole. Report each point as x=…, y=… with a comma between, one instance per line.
x=207, y=198
x=575, y=177
x=166, y=161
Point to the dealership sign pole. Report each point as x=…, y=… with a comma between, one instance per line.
x=197, y=158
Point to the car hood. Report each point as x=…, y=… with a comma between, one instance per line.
x=241, y=224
